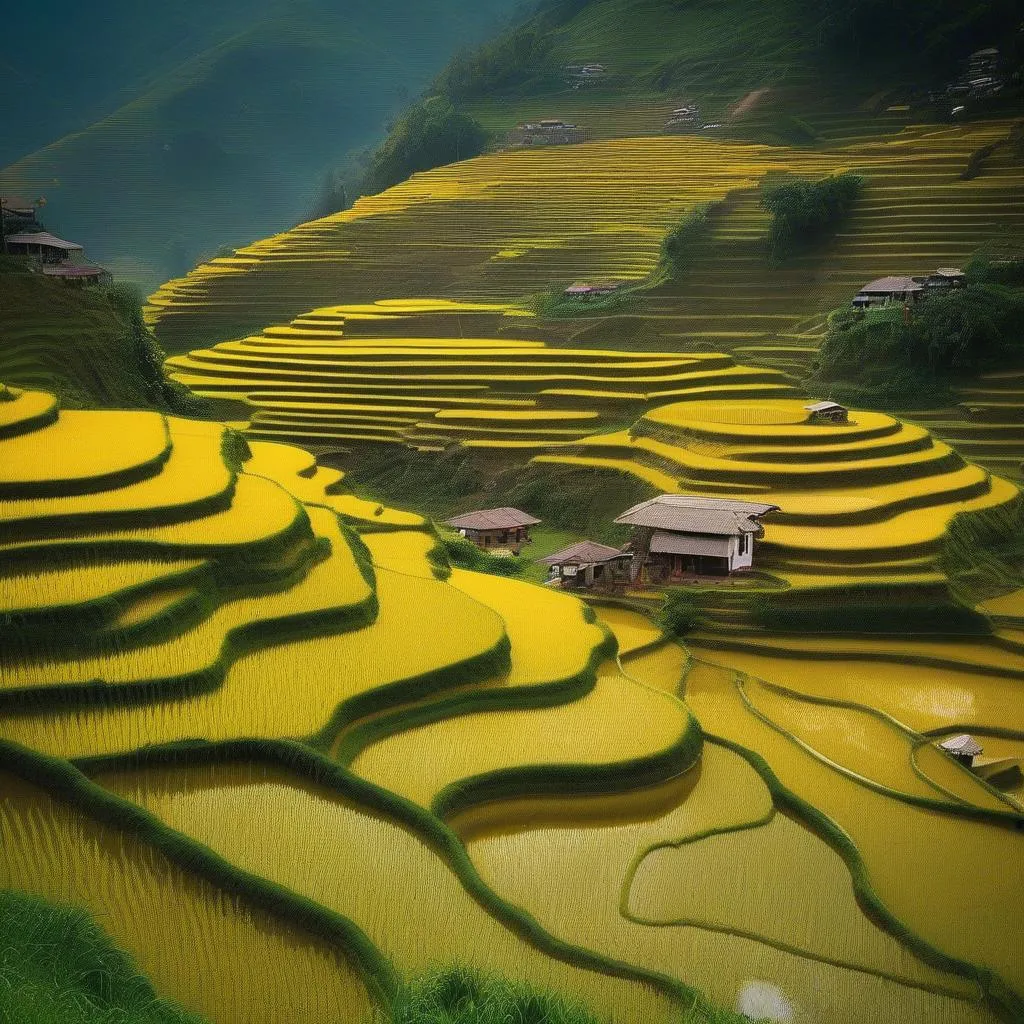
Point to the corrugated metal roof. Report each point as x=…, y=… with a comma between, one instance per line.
x=962, y=744
x=892, y=285
x=689, y=544
x=586, y=552
x=824, y=406
x=684, y=513
x=41, y=238
x=493, y=519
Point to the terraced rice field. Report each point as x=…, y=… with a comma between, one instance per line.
x=510, y=224
x=871, y=499
x=204, y=644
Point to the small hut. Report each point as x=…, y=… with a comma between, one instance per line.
x=944, y=280
x=828, y=412
x=580, y=566
x=588, y=291
x=963, y=747
x=500, y=531
x=887, y=290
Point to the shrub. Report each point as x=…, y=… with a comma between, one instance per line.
x=430, y=134
x=681, y=247
x=806, y=212
x=466, y=555
x=679, y=614
x=881, y=358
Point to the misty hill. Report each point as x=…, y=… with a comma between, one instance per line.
x=159, y=136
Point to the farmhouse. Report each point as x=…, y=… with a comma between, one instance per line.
x=679, y=534
x=77, y=275
x=581, y=566
x=944, y=279
x=828, y=412
x=548, y=132
x=587, y=291
x=43, y=246
x=682, y=118
x=964, y=748
x=887, y=290
x=18, y=214
x=501, y=531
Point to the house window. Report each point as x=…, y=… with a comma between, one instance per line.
x=744, y=543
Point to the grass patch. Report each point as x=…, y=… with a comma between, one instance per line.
x=57, y=966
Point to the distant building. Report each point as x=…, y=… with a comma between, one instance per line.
x=685, y=118
x=887, y=290
x=828, y=412
x=981, y=75
x=678, y=534
x=19, y=214
x=587, y=291
x=43, y=246
x=584, y=74
x=548, y=132
x=964, y=748
x=77, y=275
x=581, y=566
x=501, y=531
x=944, y=279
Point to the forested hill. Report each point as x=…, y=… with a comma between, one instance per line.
x=663, y=44
x=160, y=133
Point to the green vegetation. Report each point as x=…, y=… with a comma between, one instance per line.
x=461, y=996
x=89, y=346
x=683, y=245
x=680, y=612
x=58, y=967
x=887, y=357
x=466, y=555
x=430, y=134
x=805, y=213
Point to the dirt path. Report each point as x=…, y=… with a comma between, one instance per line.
x=748, y=102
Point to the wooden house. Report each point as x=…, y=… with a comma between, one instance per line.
x=501, y=531
x=828, y=412
x=677, y=535
x=963, y=747
x=547, y=132
x=886, y=290
x=43, y=246
x=588, y=291
x=943, y=280
x=586, y=564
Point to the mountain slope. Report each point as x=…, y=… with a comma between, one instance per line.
x=231, y=142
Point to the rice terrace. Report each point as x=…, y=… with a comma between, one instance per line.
x=571, y=574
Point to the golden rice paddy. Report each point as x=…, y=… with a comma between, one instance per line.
x=254, y=967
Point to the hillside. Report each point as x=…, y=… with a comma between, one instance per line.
x=232, y=139
x=88, y=346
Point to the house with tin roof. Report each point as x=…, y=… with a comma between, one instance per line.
x=587, y=564
x=678, y=535
x=500, y=531
x=884, y=291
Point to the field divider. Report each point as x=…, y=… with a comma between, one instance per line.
x=298, y=759
x=68, y=783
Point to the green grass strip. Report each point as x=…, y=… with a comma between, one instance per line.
x=65, y=782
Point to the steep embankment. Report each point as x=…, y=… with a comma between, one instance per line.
x=88, y=346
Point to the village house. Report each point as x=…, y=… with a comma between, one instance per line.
x=500, y=531
x=827, y=412
x=587, y=291
x=964, y=748
x=887, y=290
x=679, y=534
x=683, y=118
x=585, y=564
x=18, y=214
x=549, y=132
x=43, y=246
x=944, y=279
